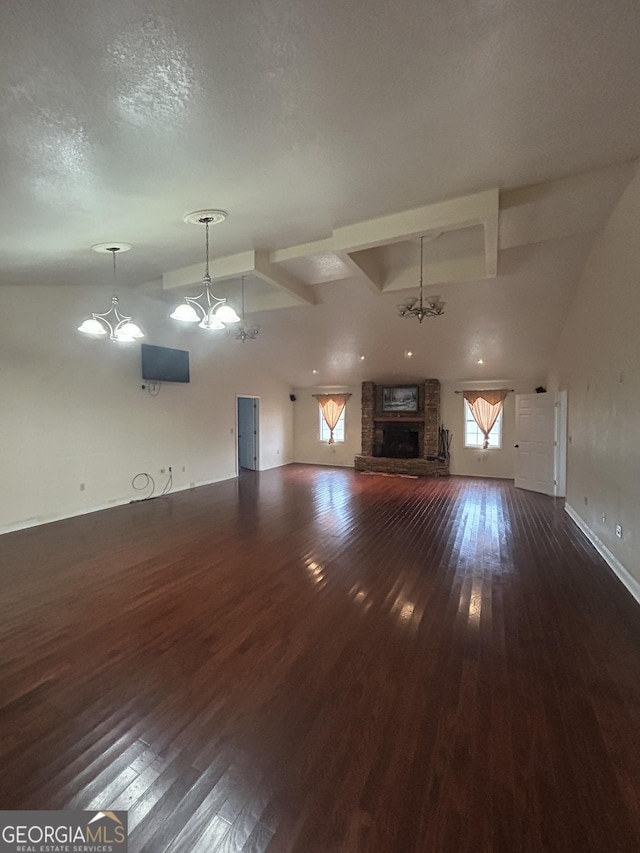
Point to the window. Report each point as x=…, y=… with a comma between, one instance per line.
x=338, y=432
x=473, y=436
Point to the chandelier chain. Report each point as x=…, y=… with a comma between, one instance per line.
x=416, y=307
x=252, y=332
x=207, y=277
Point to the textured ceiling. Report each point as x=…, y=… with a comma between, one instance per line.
x=303, y=118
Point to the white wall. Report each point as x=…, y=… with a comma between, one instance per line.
x=598, y=362
x=72, y=409
x=472, y=462
x=307, y=445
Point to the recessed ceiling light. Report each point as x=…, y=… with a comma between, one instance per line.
x=314, y=371
x=361, y=358
x=480, y=361
x=408, y=353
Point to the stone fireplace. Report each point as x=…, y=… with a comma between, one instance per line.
x=401, y=442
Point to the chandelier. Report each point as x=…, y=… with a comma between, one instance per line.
x=206, y=309
x=422, y=306
x=251, y=333
x=120, y=328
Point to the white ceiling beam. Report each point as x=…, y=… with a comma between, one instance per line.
x=447, y=215
x=471, y=268
x=302, y=250
x=220, y=269
x=351, y=244
x=367, y=264
x=235, y=266
x=491, y=245
x=265, y=270
x=373, y=275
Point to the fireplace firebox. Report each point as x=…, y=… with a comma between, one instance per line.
x=398, y=442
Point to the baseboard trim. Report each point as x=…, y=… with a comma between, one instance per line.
x=50, y=519
x=612, y=561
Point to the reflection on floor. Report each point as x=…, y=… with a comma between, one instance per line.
x=314, y=660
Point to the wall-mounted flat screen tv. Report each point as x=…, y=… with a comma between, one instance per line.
x=400, y=398
x=162, y=364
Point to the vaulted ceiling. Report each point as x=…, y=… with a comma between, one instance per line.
x=334, y=134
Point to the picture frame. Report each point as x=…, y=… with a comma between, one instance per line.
x=400, y=398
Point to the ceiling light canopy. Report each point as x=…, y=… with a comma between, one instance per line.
x=421, y=307
x=120, y=328
x=208, y=310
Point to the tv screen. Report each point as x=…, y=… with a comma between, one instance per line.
x=162, y=364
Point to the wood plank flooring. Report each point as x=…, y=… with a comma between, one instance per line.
x=311, y=660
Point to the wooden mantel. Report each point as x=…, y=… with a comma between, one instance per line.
x=394, y=419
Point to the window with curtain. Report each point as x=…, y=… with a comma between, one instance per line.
x=473, y=436
x=338, y=430
x=485, y=408
x=332, y=408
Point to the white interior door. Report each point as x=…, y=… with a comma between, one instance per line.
x=536, y=442
x=248, y=432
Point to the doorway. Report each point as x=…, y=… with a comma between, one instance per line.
x=248, y=433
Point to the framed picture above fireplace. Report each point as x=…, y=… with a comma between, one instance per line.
x=400, y=398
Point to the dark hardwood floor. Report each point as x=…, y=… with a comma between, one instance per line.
x=311, y=660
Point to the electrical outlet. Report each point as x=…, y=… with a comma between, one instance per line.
x=163, y=470
x=82, y=487
x=619, y=531
x=183, y=469
x=586, y=501
x=170, y=469
x=604, y=517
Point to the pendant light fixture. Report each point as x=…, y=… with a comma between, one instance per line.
x=421, y=307
x=252, y=332
x=120, y=328
x=206, y=309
